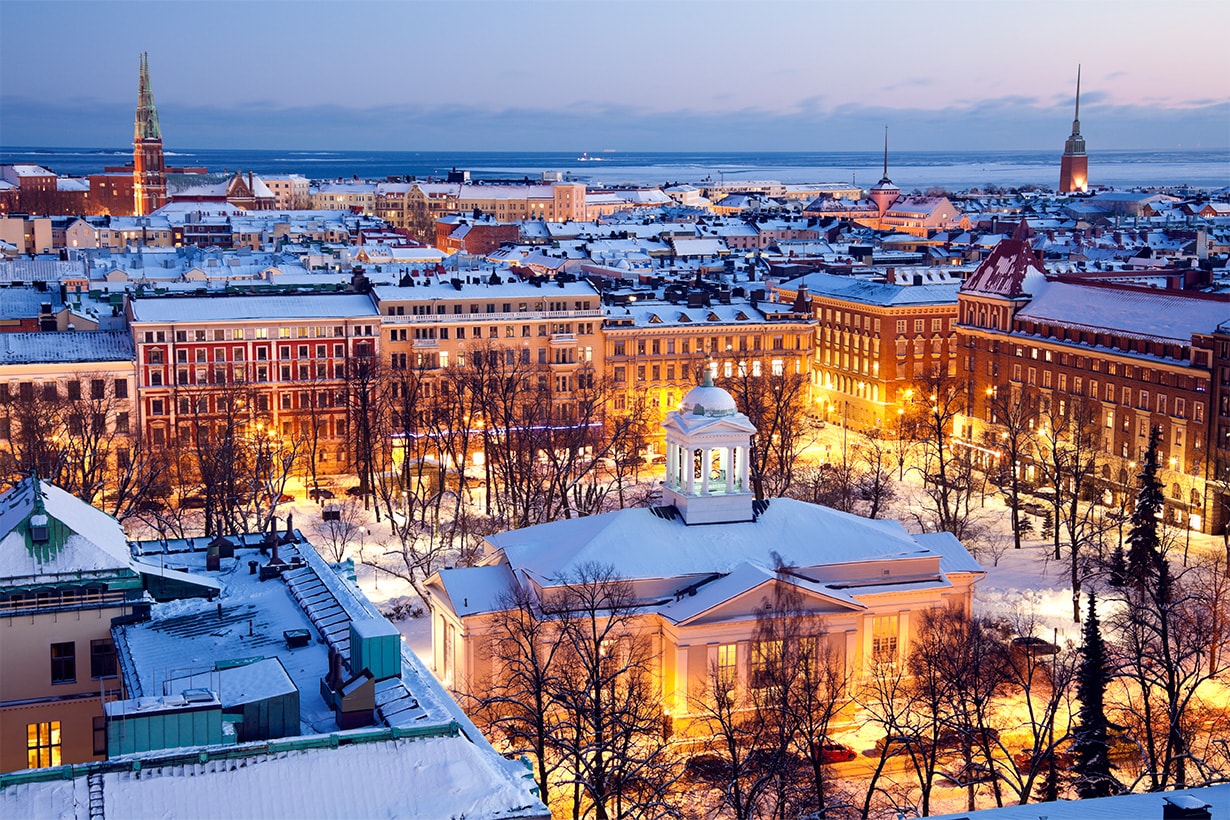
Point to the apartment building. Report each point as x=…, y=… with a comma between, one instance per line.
x=434, y=322
x=284, y=356
x=874, y=340
x=76, y=383
x=655, y=350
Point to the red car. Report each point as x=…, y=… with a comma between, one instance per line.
x=833, y=752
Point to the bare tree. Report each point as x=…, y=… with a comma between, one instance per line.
x=612, y=745
x=776, y=403
x=1068, y=455
x=1171, y=663
x=1038, y=676
x=939, y=401
x=520, y=704
x=1015, y=414
x=873, y=460
x=335, y=536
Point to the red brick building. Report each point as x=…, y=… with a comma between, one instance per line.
x=1144, y=355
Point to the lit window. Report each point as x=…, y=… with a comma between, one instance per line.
x=42, y=744
x=884, y=638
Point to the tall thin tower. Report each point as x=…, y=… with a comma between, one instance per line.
x=148, y=173
x=1074, y=167
x=885, y=193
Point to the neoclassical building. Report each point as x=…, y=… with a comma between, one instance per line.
x=703, y=562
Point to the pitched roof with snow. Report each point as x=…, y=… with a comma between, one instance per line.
x=1004, y=271
x=1155, y=314
x=642, y=545
x=83, y=539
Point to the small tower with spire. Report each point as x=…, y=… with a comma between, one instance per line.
x=885, y=193
x=148, y=172
x=1074, y=167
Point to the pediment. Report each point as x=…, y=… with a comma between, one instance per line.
x=744, y=605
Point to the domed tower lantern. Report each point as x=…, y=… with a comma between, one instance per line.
x=708, y=444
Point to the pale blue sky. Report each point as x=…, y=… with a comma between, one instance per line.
x=806, y=75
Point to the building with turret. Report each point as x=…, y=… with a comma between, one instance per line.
x=1074, y=167
x=703, y=564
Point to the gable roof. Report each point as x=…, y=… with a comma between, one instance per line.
x=83, y=538
x=1004, y=270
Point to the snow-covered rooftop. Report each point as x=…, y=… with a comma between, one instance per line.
x=429, y=777
x=76, y=346
x=218, y=308
x=643, y=545
x=1158, y=314
x=865, y=291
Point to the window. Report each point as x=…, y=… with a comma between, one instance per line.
x=100, y=735
x=102, y=659
x=884, y=638
x=728, y=662
x=763, y=655
x=43, y=744
x=64, y=662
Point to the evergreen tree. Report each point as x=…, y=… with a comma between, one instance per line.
x=1144, y=543
x=1093, y=777
x=1117, y=569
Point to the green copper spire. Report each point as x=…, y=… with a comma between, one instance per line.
x=147, y=115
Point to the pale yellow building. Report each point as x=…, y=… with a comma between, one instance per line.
x=702, y=563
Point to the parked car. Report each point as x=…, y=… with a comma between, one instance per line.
x=956, y=738
x=833, y=752
x=1025, y=760
x=707, y=768
x=1033, y=646
x=898, y=743
x=972, y=772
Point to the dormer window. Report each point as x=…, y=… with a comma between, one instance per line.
x=40, y=532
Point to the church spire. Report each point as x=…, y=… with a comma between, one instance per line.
x=1076, y=121
x=885, y=179
x=146, y=127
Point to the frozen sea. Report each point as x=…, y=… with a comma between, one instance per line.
x=910, y=170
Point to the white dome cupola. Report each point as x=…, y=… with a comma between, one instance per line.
x=707, y=457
